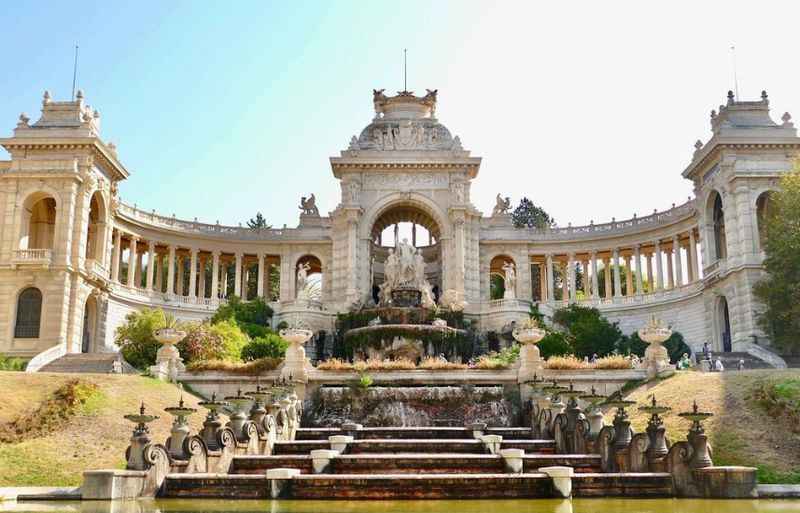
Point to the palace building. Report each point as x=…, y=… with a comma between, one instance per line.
x=75, y=258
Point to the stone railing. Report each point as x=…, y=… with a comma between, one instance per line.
x=712, y=268
x=639, y=299
x=164, y=299
x=41, y=257
x=507, y=304
x=632, y=225
x=92, y=266
x=231, y=232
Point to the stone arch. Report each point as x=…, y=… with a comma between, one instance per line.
x=313, y=284
x=399, y=200
x=715, y=226
x=497, y=284
x=722, y=324
x=96, y=227
x=764, y=208
x=38, y=221
x=28, y=314
x=89, y=324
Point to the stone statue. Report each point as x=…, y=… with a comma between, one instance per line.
x=502, y=206
x=419, y=269
x=407, y=262
x=309, y=206
x=378, y=99
x=302, y=279
x=391, y=269
x=510, y=280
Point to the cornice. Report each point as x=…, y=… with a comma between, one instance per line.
x=716, y=147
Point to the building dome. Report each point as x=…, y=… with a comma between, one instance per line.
x=405, y=122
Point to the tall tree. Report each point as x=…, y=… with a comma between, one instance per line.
x=780, y=289
x=528, y=215
x=258, y=222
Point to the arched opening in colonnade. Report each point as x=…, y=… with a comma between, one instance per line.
x=723, y=322
x=764, y=210
x=96, y=228
x=498, y=269
x=308, y=278
x=406, y=224
x=716, y=214
x=38, y=222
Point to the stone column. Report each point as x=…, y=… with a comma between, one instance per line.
x=159, y=272
x=617, y=284
x=650, y=282
x=139, y=268
x=587, y=289
x=171, y=271
x=551, y=296
x=637, y=255
x=659, y=268
x=180, y=275
x=260, y=285
x=628, y=277
x=132, y=262
x=151, y=261
x=237, y=282
x=572, y=294
x=192, y=272
x=201, y=285
x=670, y=273
x=593, y=258
x=607, y=273
x=695, y=274
x=223, y=292
x=215, y=275
x=115, y=256
x=676, y=248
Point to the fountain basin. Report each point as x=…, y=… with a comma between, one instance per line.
x=411, y=341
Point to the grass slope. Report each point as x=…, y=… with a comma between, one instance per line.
x=94, y=436
x=748, y=428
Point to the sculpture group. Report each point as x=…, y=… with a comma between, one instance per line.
x=405, y=268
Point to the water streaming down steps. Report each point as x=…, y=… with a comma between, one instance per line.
x=414, y=463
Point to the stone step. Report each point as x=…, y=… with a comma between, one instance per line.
x=428, y=463
x=415, y=486
x=89, y=363
x=427, y=432
x=395, y=446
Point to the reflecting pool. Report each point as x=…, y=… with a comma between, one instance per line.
x=472, y=506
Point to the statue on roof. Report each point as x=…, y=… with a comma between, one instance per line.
x=502, y=206
x=309, y=206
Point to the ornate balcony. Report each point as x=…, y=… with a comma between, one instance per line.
x=95, y=269
x=32, y=257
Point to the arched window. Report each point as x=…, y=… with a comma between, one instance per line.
x=95, y=229
x=29, y=313
x=498, y=268
x=309, y=278
x=720, y=244
x=38, y=222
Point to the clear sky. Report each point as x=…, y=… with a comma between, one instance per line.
x=222, y=109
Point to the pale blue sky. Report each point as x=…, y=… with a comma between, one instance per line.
x=221, y=109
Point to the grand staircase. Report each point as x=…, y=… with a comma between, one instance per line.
x=94, y=363
x=414, y=463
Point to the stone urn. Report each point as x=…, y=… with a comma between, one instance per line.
x=295, y=364
x=528, y=334
x=168, y=359
x=656, y=357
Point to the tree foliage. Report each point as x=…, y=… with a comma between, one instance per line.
x=268, y=346
x=589, y=332
x=258, y=222
x=779, y=291
x=135, y=337
x=252, y=316
x=528, y=215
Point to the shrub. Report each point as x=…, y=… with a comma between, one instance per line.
x=12, y=364
x=135, y=338
x=431, y=363
x=566, y=363
x=268, y=346
x=335, y=364
x=554, y=344
x=612, y=363
x=255, y=311
x=255, y=330
x=200, y=343
x=589, y=331
x=233, y=339
x=490, y=362
x=253, y=368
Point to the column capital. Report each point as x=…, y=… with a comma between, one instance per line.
x=216, y=253
x=593, y=253
x=134, y=238
x=152, y=245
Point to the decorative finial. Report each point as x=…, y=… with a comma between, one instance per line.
x=713, y=113
x=23, y=120
x=730, y=97
x=698, y=144
x=787, y=118
x=180, y=403
x=46, y=98
x=764, y=96
x=141, y=409
x=79, y=95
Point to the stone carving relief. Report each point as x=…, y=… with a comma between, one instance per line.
x=309, y=206
x=510, y=279
x=400, y=181
x=459, y=193
x=352, y=192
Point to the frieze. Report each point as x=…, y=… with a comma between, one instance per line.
x=403, y=181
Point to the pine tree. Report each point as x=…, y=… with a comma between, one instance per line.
x=529, y=215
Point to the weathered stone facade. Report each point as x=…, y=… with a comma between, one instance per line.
x=92, y=258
